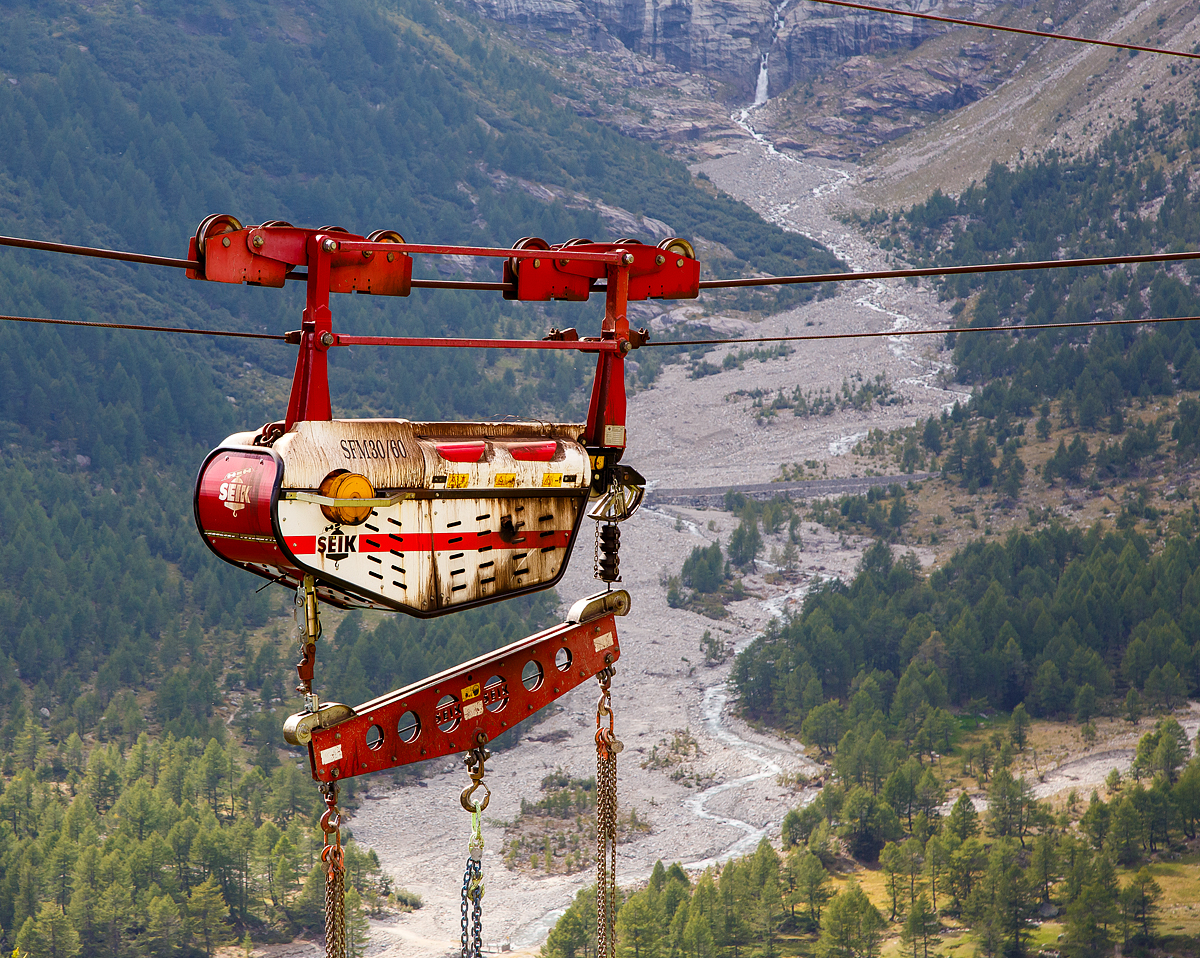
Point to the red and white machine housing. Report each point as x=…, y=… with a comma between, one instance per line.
x=421, y=518
x=438, y=516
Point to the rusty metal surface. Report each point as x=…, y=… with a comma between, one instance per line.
x=432, y=555
x=448, y=712
x=397, y=454
x=443, y=533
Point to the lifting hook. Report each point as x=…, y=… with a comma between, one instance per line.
x=475, y=759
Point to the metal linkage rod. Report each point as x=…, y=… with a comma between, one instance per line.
x=580, y=345
x=870, y=8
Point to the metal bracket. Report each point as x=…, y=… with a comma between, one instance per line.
x=298, y=728
x=622, y=498
x=320, y=500
x=602, y=603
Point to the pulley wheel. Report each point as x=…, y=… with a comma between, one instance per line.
x=526, y=242
x=214, y=225
x=385, y=236
x=622, y=498
x=678, y=246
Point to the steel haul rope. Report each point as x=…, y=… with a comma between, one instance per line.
x=607, y=747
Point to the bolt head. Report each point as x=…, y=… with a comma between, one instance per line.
x=660, y=259
x=224, y=240
x=327, y=338
x=627, y=259
x=679, y=262
x=367, y=253
x=258, y=242
x=537, y=263
x=329, y=245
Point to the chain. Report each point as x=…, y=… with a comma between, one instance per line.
x=335, y=875
x=607, y=747
x=596, y=555
x=472, y=886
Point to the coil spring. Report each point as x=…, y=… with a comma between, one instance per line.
x=610, y=542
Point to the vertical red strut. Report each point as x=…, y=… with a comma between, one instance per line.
x=310, y=385
x=606, y=412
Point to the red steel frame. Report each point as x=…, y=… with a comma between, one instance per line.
x=467, y=706
x=341, y=262
x=310, y=387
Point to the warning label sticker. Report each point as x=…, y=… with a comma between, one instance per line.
x=474, y=710
x=331, y=754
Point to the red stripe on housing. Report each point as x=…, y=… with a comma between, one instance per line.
x=440, y=541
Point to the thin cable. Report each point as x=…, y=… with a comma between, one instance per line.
x=994, y=26
x=22, y=243
x=924, y=332
x=148, y=329
x=952, y=270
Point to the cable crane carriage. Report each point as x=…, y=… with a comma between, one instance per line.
x=428, y=518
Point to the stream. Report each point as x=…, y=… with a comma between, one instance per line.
x=713, y=709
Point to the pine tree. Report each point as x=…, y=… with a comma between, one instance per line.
x=48, y=935
x=639, y=927
x=853, y=927
x=207, y=912
x=813, y=886
x=1138, y=903
x=357, y=927
x=963, y=820
x=1019, y=727
x=164, y=928
x=921, y=927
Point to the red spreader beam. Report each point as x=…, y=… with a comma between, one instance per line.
x=465, y=706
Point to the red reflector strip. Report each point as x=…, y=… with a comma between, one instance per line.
x=461, y=451
x=533, y=451
x=426, y=542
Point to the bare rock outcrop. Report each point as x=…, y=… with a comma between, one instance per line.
x=725, y=40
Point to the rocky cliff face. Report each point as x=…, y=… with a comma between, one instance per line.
x=724, y=40
x=813, y=39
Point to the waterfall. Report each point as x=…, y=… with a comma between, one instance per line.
x=760, y=91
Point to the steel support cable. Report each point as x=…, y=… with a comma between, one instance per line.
x=98, y=252
x=953, y=270
x=707, y=284
x=925, y=332
x=870, y=8
x=149, y=329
